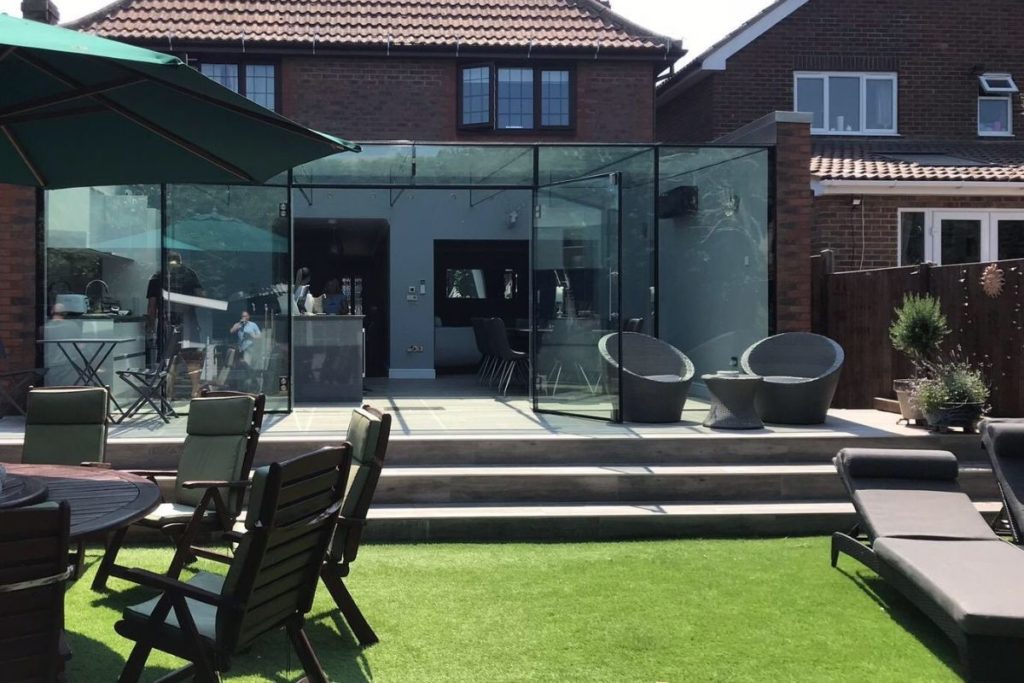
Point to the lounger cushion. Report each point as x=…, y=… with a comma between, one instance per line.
x=892, y=502
x=977, y=583
x=878, y=463
x=1004, y=442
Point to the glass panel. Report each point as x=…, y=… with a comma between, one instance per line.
x=465, y=283
x=259, y=85
x=223, y=302
x=911, y=238
x=375, y=165
x=810, y=98
x=576, y=234
x=961, y=240
x=1011, y=239
x=478, y=166
x=994, y=116
x=844, y=103
x=476, y=95
x=225, y=74
x=515, y=98
x=880, y=104
x=713, y=255
x=102, y=246
x=554, y=98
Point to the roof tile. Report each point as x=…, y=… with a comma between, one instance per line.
x=858, y=160
x=354, y=23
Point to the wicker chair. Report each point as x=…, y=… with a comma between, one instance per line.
x=800, y=371
x=656, y=376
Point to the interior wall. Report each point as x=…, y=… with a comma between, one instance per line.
x=417, y=218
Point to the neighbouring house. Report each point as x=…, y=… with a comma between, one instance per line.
x=915, y=108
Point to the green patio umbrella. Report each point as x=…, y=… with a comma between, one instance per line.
x=77, y=110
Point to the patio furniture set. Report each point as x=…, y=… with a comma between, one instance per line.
x=787, y=379
x=302, y=524
x=920, y=532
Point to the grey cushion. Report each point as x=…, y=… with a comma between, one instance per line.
x=877, y=463
x=204, y=615
x=1004, y=442
x=978, y=583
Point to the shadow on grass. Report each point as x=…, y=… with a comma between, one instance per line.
x=908, y=616
x=92, y=660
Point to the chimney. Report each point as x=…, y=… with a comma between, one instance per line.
x=40, y=10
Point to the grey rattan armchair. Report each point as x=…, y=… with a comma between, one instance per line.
x=801, y=372
x=656, y=376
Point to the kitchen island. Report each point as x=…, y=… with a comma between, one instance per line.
x=328, y=358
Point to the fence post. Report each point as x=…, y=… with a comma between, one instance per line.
x=924, y=279
x=822, y=266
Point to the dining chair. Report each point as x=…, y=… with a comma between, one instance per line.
x=33, y=570
x=368, y=432
x=269, y=585
x=66, y=426
x=223, y=432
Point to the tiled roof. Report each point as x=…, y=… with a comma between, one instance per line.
x=840, y=160
x=536, y=24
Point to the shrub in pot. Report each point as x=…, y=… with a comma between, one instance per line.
x=917, y=331
x=953, y=394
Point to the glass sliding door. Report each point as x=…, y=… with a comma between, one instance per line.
x=577, y=298
x=223, y=300
x=1009, y=237
x=961, y=236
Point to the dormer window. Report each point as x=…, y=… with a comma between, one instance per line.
x=995, y=107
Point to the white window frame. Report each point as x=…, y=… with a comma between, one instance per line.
x=989, y=89
x=1008, y=133
x=864, y=77
x=989, y=218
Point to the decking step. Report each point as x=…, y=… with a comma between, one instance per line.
x=629, y=483
x=590, y=522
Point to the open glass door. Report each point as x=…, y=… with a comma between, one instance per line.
x=577, y=250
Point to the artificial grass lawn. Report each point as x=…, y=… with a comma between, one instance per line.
x=670, y=611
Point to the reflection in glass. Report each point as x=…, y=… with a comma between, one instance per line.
x=476, y=95
x=515, y=98
x=994, y=116
x=1011, y=239
x=961, y=240
x=879, y=103
x=227, y=251
x=465, y=283
x=844, y=103
x=810, y=99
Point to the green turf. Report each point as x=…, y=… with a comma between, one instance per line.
x=673, y=611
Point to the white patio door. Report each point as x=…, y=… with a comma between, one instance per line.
x=960, y=237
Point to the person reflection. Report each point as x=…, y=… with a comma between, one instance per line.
x=176, y=324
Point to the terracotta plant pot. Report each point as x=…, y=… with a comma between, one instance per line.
x=965, y=416
x=904, y=389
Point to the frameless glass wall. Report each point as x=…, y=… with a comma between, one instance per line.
x=713, y=215
x=102, y=245
x=224, y=296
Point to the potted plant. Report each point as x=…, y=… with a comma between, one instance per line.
x=953, y=394
x=917, y=331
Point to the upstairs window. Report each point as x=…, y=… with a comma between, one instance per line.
x=515, y=98
x=256, y=82
x=847, y=103
x=995, y=107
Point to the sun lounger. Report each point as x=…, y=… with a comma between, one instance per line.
x=1004, y=441
x=926, y=539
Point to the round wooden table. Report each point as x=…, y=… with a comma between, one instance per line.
x=100, y=499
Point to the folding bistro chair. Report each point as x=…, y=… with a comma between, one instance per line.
x=14, y=382
x=269, y=585
x=150, y=386
x=33, y=570
x=368, y=433
x=212, y=475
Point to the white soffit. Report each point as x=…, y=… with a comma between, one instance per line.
x=918, y=187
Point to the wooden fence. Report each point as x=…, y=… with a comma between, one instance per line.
x=856, y=308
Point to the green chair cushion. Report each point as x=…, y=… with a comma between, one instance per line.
x=71, y=406
x=363, y=434
x=171, y=513
x=204, y=615
x=63, y=444
x=208, y=458
x=220, y=415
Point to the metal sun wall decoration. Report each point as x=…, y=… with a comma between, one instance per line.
x=992, y=280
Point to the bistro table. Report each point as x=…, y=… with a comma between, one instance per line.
x=100, y=499
x=86, y=363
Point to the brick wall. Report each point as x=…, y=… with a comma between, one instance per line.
x=416, y=99
x=18, y=275
x=868, y=236
x=689, y=118
x=937, y=47
x=793, y=224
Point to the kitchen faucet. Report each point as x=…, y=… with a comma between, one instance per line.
x=104, y=291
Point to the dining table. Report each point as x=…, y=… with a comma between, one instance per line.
x=86, y=356
x=100, y=499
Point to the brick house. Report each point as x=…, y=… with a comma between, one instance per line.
x=914, y=106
